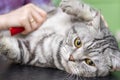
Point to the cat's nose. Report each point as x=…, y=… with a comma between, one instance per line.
x=71, y=58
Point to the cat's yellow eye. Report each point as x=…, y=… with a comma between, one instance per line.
x=89, y=62
x=77, y=42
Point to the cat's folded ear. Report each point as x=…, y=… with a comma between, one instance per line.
x=115, y=62
x=103, y=28
x=103, y=22
x=112, y=58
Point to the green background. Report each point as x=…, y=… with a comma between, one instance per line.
x=111, y=12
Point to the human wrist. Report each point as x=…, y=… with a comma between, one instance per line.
x=3, y=22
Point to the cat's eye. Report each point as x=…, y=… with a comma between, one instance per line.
x=89, y=62
x=77, y=42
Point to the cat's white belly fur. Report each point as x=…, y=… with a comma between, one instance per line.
x=60, y=23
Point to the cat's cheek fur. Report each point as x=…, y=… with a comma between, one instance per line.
x=65, y=53
x=81, y=69
x=73, y=68
x=87, y=70
x=65, y=65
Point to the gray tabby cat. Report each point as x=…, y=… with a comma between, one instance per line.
x=74, y=39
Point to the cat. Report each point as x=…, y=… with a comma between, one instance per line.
x=74, y=38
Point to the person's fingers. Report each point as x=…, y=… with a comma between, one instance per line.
x=37, y=17
x=27, y=27
x=31, y=18
x=33, y=22
x=40, y=11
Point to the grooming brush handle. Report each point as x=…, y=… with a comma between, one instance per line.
x=16, y=30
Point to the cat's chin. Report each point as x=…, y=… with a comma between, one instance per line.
x=72, y=69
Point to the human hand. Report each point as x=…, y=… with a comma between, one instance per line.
x=28, y=16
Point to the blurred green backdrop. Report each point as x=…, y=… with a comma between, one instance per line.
x=111, y=12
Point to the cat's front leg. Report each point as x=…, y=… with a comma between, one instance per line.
x=78, y=9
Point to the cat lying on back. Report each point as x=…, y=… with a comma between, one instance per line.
x=74, y=39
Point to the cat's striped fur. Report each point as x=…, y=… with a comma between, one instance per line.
x=53, y=44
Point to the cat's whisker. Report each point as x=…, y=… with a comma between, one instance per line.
x=77, y=77
x=81, y=78
x=75, y=70
x=73, y=77
x=69, y=77
x=72, y=68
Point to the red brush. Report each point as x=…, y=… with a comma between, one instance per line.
x=16, y=30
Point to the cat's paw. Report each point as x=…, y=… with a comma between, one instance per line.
x=6, y=47
x=69, y=6
x=3, y=46
x=78, y=9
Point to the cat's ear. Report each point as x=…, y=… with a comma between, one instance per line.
x=112, y=56
x=103, y=28
x=115, y=62
x=103, y=23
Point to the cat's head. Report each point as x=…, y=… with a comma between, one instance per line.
x=87, y=53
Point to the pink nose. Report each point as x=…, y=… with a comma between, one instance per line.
x=71, y=58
